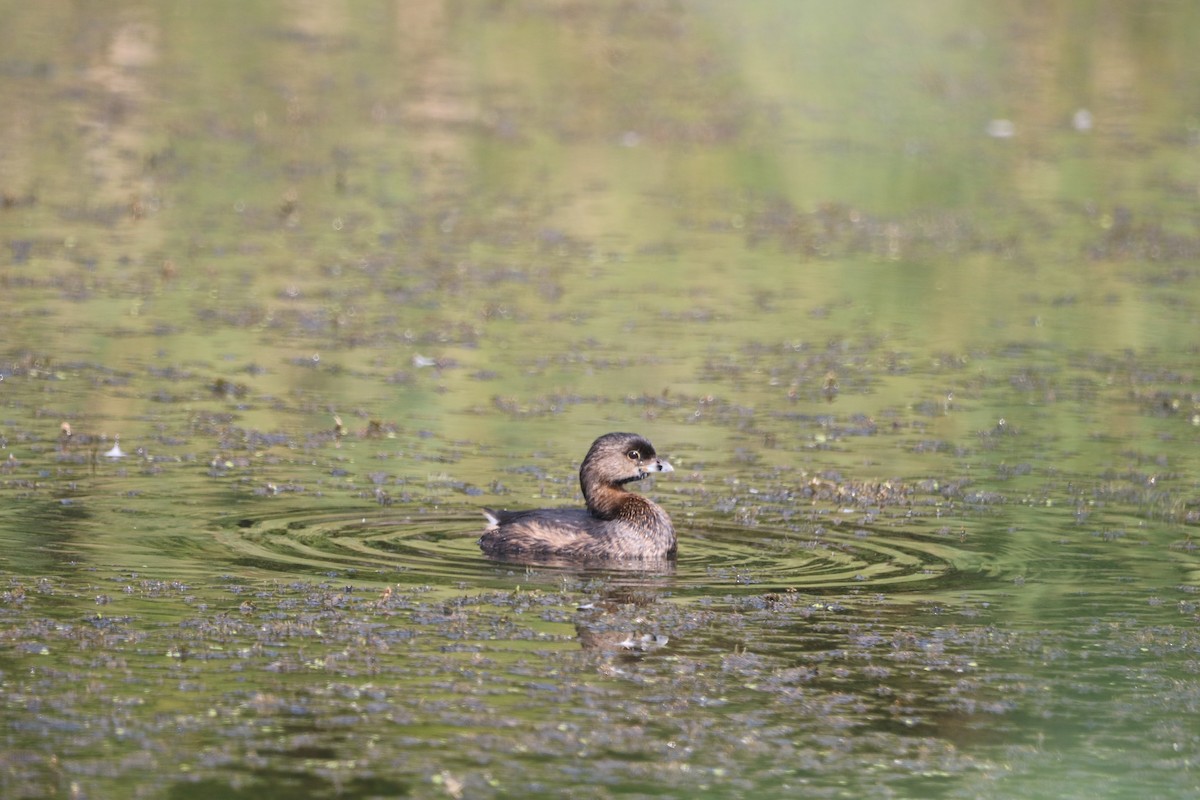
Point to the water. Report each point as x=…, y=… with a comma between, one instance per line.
x=908, y=299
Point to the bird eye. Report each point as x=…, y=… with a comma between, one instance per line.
x=634, y=455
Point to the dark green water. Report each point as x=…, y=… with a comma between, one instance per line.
x=908, y=293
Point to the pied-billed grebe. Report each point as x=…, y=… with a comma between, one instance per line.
x=617, y=524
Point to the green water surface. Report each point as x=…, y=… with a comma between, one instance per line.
x=909, y=294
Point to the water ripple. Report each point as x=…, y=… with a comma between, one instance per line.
x=442, y=550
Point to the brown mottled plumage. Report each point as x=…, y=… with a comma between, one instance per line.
x=616, y=525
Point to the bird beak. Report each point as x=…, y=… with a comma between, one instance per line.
x=660, y=465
